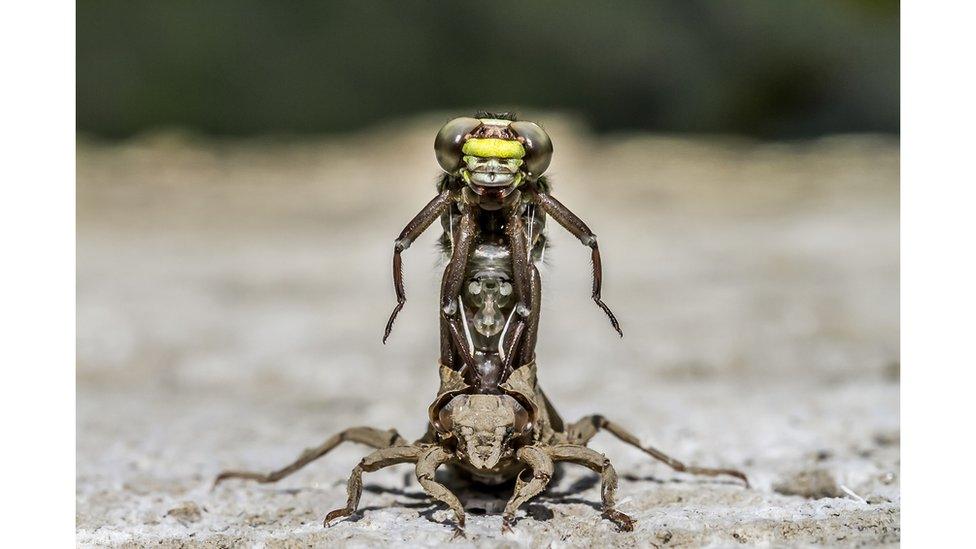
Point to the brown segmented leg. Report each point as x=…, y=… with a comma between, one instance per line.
x=527, y=351
x=515, y=230
x=516, y=336
x=448, y=354
x=585, y=429
x=454, y=274
x=379, y=459
x=581, y=455
x=414, y=229
x=460, y=343
x=369, y=436
x=575, y=225
x=427, y=465
x=540, y=465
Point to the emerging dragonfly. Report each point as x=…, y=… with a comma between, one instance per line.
x=492, y=202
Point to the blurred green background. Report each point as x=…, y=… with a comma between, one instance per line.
x=763, y=68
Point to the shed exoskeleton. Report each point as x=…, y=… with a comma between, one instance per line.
x=493, y=438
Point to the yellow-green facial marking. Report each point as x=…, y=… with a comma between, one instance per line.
x=493, y=148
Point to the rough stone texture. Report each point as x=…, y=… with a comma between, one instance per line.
x=231, y=298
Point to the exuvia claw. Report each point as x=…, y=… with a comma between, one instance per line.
x=333, y=515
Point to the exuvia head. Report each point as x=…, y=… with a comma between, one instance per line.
x=484, y=426
x=494, y=154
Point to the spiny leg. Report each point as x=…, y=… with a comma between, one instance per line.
x=414, y=229
x=364, y=435
x=527, y=351
x=565, y=217
x=455, y=352
x=448, y=355
x=581, y=455
x=515, y=230
x=513, y=341
x=379, y=459
x=427, y=465
x=540, y=465
x=451, y=282
x=585, y=429
x=454, y=273
x=460, y=343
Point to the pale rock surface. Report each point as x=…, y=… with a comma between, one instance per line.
x=231, y=297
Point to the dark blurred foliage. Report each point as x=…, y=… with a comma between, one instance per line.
x=767, y=68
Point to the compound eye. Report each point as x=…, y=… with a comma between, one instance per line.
x=444, y=418
x=538, y=147
x=522, y=421
x=447, y=144
x=445, y=415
